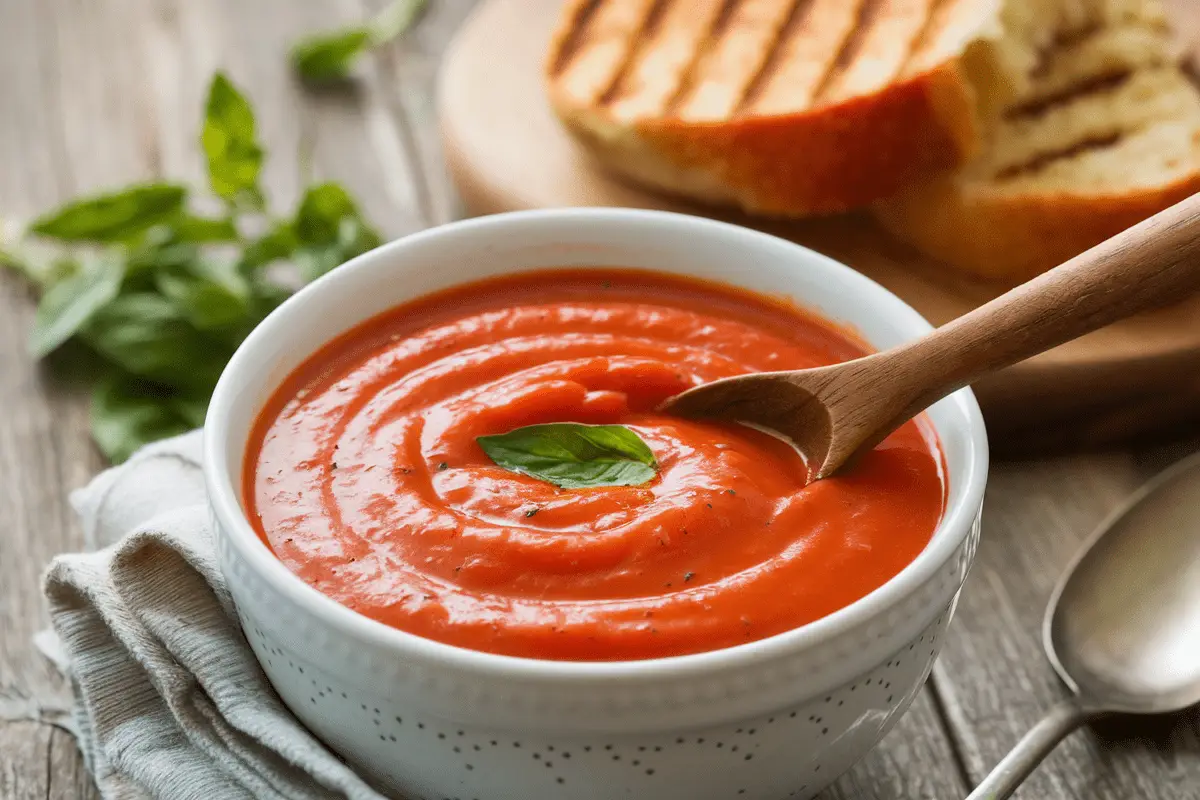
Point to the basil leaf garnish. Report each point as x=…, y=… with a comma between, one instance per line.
x=574, y=456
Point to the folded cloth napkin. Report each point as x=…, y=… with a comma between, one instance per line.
x=170, y=702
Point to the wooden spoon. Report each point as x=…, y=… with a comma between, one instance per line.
x=832, y=413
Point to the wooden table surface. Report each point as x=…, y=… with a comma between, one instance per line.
x=99, y=93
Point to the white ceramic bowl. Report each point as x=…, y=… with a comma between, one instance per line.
x=775, y=718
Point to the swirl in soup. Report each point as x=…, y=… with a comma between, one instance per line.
x=365, y=477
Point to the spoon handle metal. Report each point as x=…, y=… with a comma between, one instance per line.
x=1006, y=776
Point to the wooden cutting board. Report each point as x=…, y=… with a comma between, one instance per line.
x=506, y=151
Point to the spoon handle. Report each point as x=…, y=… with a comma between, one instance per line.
x=1006, y=776
x=1149, y=265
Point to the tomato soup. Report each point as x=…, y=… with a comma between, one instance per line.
x=365, y=477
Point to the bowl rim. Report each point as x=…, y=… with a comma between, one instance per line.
x=232, y=524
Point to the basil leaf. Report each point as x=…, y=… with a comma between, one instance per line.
x=329, y=231
x=207, y=304
x=231, y=145
x=68, y=305
x=128, y=413
x=265, y=298
x=276, y=244
x=574, y=456
x=113, y=217
x=187, y=228
x=190, y=409
x=331, y=56
x=41, y=266
x=322, y=210
x=148, y=336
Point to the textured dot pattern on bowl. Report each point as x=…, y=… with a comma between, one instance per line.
x=790, y=753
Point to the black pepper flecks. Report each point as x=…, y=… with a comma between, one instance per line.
x=687, y=576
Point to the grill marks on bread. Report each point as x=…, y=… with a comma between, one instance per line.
x=879, y=49
x=732, y=62
x=1104, y=132
x=594, y=45
x=716, y=60
x=1095, y=94
x=666, y=57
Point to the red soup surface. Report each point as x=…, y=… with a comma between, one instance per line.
x=364, y=476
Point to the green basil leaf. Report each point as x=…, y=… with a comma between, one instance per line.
x=322, y=210
x=68, y=305
x=148, y=336
x=42, y=266
x=128, y=413
x=574, y=456
x=190, y=408
x=187, y=228
x=231, y=145
x=276, y=244
x=329, y=231
x=158, y=252
x=331, y=56
x=265, y=297
x=113, y=217
x=208, y=304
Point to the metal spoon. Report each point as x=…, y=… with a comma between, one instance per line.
x=1123, y=626
x=831, y=413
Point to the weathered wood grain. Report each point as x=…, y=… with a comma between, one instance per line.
x=24, y=769
x=112, y=92
x=992, y=677
x=68, y=780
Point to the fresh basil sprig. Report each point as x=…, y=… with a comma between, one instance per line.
x=331, y=56
x=574, y=456
x=153, y=298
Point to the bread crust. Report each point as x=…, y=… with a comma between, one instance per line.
x=819, y=161
x=1010, y=238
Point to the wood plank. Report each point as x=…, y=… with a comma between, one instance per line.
x=69, y=780
x=112, y=93
x=993, y=678
x=24, y=768
x=44, y=449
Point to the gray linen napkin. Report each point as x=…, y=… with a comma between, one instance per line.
x=170, y=702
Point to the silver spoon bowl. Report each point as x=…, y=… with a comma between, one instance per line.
x=1122, y=627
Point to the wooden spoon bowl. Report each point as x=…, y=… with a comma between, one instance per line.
x=832, y=413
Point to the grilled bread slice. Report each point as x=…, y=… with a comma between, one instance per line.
x=1107, y=134
x=795, y=107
